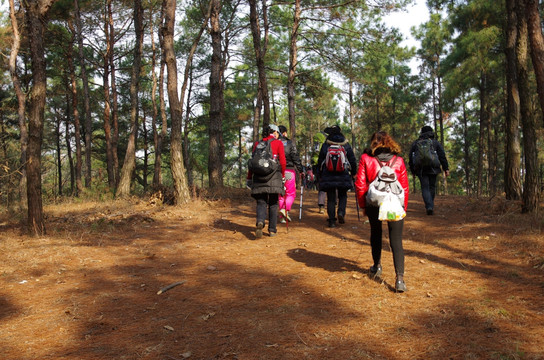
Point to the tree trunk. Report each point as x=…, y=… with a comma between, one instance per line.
x=217, y=105
x=21, y=103
x=481, y=137
x=114, y=101
x=35, y=12
x=157, y=136
x=77, y=123
x=293, y=62
x=86, y=95
x=146, y=150
x=537, y=46
x=466, y=148
x=260, y=53
x=186, y=145
x=58, y=148
x=512, y=171
x=67, y=139
x=130, y=157
x=107, y=107
x=181, y=190
x=530, y=150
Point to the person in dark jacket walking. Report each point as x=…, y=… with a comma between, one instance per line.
x=383, y=150
x=293, y=165
x=427, y=174
x=333, y=181
x=266, y=190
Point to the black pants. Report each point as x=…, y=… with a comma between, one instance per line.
x=267, y=202
x=331, y=202
x=395, y=239
x=428, y=189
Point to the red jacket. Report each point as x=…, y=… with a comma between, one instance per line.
x=277, y=149
x=367, y=172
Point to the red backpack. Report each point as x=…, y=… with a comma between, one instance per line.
x=335, y=161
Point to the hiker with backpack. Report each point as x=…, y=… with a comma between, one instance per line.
x=382, y=170
x=427, y=156
x=293, y=165
x=337, y=168
x=265, y=177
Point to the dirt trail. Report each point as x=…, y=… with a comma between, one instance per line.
x=88, y=290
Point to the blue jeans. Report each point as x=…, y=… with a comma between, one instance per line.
x=428, y=189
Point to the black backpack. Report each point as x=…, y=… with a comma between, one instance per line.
x=425, y=156
x=262, y=162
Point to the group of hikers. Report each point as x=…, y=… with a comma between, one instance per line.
x=380, y=181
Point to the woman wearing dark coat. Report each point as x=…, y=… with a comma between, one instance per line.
x=336, y=182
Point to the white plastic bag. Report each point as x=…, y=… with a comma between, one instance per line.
x=391, y=209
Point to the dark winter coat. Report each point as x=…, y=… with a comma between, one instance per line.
x=272, y=184
x=333, y=180
x=291, y=155
x=439, y=151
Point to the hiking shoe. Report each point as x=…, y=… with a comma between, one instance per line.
x=341, y=219
x=321, y=209
x=400, y=286
x=272, y=234
x=332, y=223
x=282, y=220
x=287, y=216
x=375, y=271
x=259, y=230
x=429, y=211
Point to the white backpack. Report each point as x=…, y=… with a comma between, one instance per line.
x=386, y=190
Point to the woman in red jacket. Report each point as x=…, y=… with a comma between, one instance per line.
x=383, y=149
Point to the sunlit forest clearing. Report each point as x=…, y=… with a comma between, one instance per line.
x=125, y=132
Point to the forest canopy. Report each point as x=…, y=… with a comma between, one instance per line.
x=114, y=98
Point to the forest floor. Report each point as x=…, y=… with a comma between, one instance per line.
x=89, y=288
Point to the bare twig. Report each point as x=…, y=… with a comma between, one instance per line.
x=171, y=286
x=304, y=342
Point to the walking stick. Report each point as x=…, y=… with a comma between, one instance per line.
x=357, y=205
x=300, y=212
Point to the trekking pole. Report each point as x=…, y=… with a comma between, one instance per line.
x=300, y=212
x=357, y=206
x=356, y=203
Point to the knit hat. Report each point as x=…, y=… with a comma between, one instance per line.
x=274, y=127
x=426, y=129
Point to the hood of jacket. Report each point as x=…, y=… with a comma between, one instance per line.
x=427, y=135
x=337, y=139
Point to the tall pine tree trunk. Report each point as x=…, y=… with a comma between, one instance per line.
x=217, y=105
x=86, y=96
x=35, y=12
x=21, y=103
x=77, y=122
x=260, y=53
x=114, y=100
x=512, y=177
x=107, y=107
x=181, y=190
x=130, y=157
x=157, y=136
x=481, y=138
x=537, y=46
x=293, y=62
x=530, y=150
x=466, y=148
